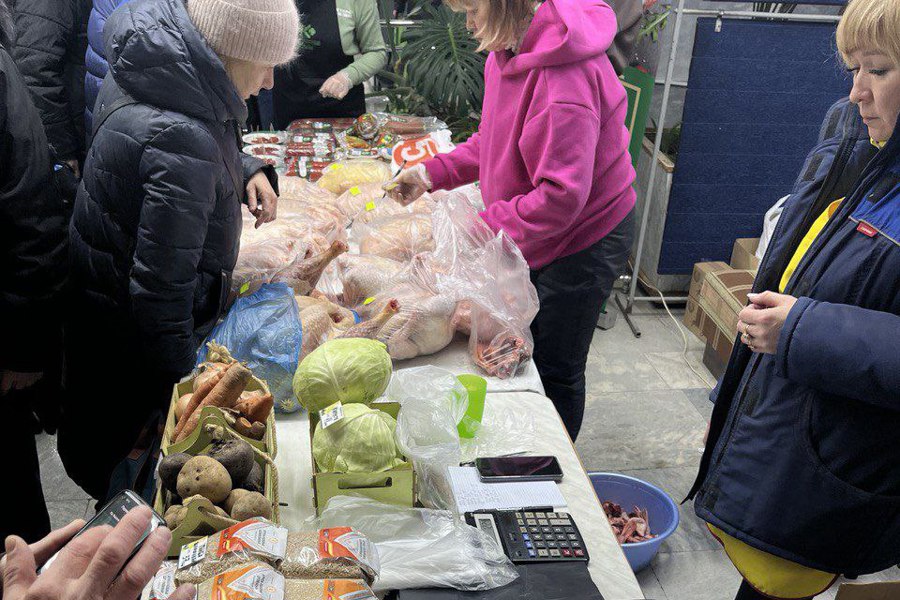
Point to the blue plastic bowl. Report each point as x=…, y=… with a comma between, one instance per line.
x=629, y=492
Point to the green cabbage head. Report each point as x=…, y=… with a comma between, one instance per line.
x=361, y=442
x=347, y=369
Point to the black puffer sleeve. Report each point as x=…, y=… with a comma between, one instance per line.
x=178, y=170
x=46, y=31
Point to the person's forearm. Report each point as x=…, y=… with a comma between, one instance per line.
x=366, y=66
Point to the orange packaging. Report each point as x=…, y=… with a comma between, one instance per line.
x=253, y=581
x=346, y=589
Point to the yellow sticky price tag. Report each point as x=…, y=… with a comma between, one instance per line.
x=335, y=166
x=370, y=205
x=369, y=301
x=244, y=288
x=355, y=191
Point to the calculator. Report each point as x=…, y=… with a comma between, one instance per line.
x=532, y=535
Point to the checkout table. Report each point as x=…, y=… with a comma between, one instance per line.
x=507, y=401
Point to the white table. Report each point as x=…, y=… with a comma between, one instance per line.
x=608, y=567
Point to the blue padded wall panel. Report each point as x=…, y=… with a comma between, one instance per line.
x=757, y=93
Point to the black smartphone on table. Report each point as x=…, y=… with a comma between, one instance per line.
x=518, y=468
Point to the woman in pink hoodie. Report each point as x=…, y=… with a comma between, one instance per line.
x=552, y=158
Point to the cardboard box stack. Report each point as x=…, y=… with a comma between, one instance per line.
x=717, y=294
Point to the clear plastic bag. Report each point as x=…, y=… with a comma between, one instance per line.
x=263, y=330
x=340, y=176
x=408, y=124
x=299, y=189
x=433, y=402
x=399, y=237
x=500, y=340
x=423, y=548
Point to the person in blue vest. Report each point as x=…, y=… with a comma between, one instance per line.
x=803, y=437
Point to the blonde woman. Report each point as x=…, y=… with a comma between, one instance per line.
x=552, y=157
x=800, y=480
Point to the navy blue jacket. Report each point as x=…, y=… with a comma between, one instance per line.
x=95, y=63
x=157, y=220
x=804, y=443
x=50, y=47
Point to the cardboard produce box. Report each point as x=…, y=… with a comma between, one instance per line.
x=723, y=296
x=395, y=486
x=693, y=318
x=743, y=254
x=201, y=519
x=701, y=271
x=718, y=351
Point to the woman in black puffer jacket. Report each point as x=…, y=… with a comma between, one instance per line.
x=157, y=221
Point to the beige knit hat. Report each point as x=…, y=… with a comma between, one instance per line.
x=263, y=31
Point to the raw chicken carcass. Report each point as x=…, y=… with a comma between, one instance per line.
x=342, y=318
x=303, y=275
x=297, y=188
x=399, y=237
x=422, y=326
x=371, y=328
x=365, y=276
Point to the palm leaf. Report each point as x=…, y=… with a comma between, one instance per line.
x=440, y=60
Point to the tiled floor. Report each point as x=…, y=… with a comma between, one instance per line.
x=646, y=414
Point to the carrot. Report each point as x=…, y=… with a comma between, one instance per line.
x=200, y=393
x=224, y=395
x=256, y=407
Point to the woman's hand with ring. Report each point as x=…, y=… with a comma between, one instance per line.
x=761, y=322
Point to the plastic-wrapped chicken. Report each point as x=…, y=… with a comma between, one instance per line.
x=424, y=324
x=340, y=176
x=399, y=237
x=364, y=276
x=297, y=188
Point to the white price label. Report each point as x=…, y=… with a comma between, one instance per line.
x=331, y=415
x=192, y=553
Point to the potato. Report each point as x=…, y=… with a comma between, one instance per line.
x=170, y=467
x=251, y=504
x=233, y=497
x=254, y=481
x=181, y=405
x=205, y=476
x=236, y=456
x=175, y=515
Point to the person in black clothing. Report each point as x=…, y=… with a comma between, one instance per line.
x=32, y=277
x=49, y=51
x=157, y=220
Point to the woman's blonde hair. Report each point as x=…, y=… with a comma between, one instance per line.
x=870, y=25
x=503, y=20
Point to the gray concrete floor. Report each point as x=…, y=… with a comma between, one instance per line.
x=646, y=414
x=645, y=417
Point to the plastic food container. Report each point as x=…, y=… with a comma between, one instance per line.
x=265, y=137
x=629, y=492
x=264, y=150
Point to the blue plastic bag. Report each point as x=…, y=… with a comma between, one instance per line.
x=263, y=331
